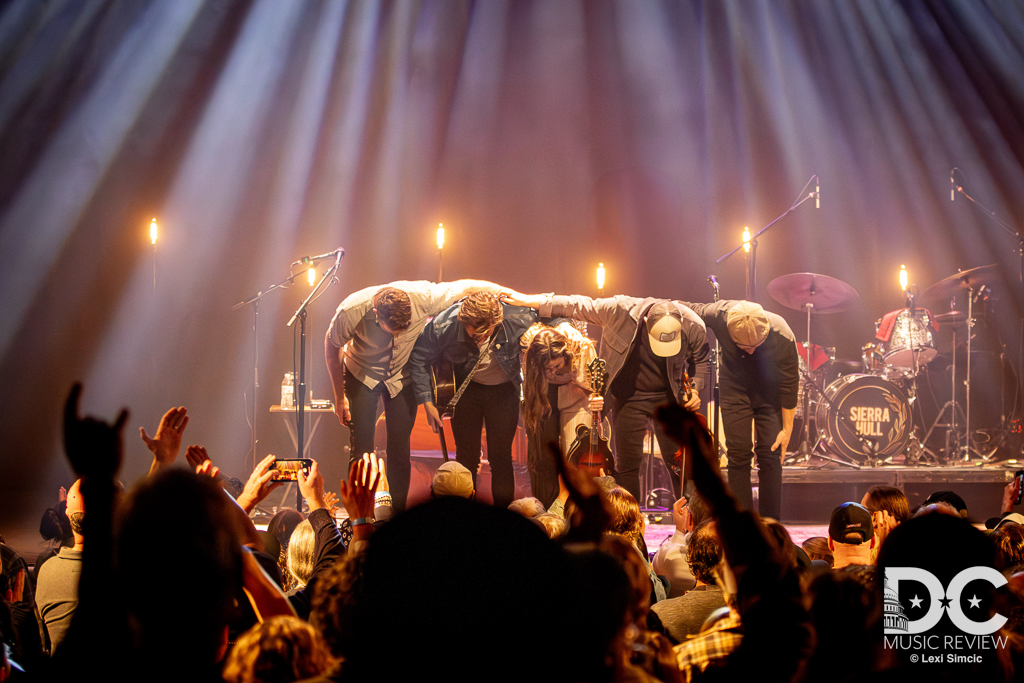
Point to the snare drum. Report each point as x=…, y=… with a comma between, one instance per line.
x=910, y=337
x=862, y=410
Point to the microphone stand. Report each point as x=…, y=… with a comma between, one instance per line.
x=970, y=323
x=752, y=255
x=300, y=314
x=255, y=301
x=716, y=359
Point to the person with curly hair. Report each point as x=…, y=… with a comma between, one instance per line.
x=279, y=650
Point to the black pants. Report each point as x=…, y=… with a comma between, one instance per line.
x=630, y=419
x=497, y=408
x=738, y=411
x=399, y=415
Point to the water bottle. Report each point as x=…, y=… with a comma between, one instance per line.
x=288, y=391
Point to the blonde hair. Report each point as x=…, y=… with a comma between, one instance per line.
x=301, y=552
x=280, y=649
x=542, y=344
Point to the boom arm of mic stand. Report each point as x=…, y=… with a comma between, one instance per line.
x=765, y=228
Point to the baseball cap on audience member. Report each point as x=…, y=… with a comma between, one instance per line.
x=948, y=497
x=1008, y=518
x=452, y=479
x=748, y=325
x=851, y=524
x=664, y=329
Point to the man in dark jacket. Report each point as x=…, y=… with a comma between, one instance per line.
x=759, y=382
x=479, y=336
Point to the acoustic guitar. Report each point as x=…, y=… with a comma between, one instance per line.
x=590, y=451
x=442, y=381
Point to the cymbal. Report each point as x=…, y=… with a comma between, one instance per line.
x=965, y=279
x=826, y=294
x=951, y=318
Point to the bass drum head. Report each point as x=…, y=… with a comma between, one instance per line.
x=863, y=410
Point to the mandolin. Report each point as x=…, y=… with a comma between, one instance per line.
x=683, y=465
x=590, y=451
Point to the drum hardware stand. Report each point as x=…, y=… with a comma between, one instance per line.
x=1020, y=257
x=966, y=448
x=804, y=450
x=954, y=406
x=916, y=452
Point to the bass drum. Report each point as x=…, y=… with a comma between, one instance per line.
x=862, y=411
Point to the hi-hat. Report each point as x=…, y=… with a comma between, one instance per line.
x=825, y=294
x=951, y=318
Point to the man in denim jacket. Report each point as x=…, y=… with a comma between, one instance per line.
x=479, y=328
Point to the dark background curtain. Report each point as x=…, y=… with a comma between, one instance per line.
x=548, y=136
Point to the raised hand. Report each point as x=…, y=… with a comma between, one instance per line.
x=331, y=502
x=166, y=445
x=196, y=456
x=376, y=466
x=93, y=447
x=208, y=469
x=259, y=485
x=357, y=493
x=312, y=487
x=594, y=512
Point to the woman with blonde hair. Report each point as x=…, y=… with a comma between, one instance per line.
x=556, y=397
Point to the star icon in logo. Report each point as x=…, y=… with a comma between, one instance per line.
x=915, y=601
x=975, y=601
x=945, y=602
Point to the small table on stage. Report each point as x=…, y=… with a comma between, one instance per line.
x=289, y=421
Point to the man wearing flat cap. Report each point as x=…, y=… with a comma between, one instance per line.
x=647, y=345
x=759, y=382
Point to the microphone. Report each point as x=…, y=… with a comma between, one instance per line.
x=337, y=260
x=713, y=280
x=817, y=194
x=306, y=260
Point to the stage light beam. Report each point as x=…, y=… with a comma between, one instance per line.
x=600, y=276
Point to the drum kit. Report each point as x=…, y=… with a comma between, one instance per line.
x=862, y=413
